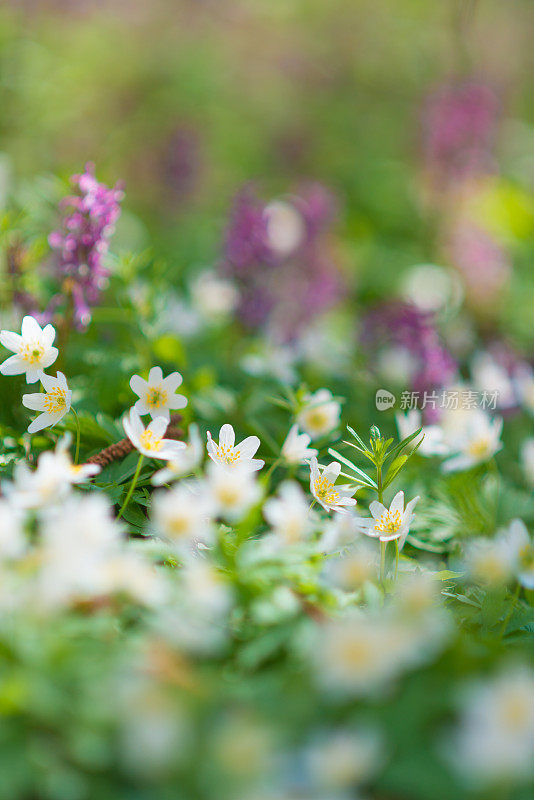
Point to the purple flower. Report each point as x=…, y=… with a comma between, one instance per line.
x=483, y=263
x=405, y=327
x=459, y=124
x=281, y=258
x=82, y=242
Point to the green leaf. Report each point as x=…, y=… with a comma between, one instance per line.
x=394, y=468
x=362, y=477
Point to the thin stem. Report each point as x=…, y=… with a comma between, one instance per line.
x=513, y=604
x=132, y=486
x=383, y=546
x=271, y=469
x=396, y=558
x=77, y=451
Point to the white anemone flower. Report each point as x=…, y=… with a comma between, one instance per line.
x=389, y=523
x=320, y=413
x=229, y=455
x=296, y=447
x=53, y=404
x=183, y=515
x=51, y=481
x=32, y=348
x=186, y=462
x=288, y=513
x=322, y=487
x=232, y=492
x=479, y=441
x=149, y=441
x=157, y=395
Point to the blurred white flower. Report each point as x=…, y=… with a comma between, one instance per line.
x=213, y=296
x=51, y=481
x=396, y=364
x=232, y=492
x=150, y=441
x=288, y=514
x=477, y=440
x=231, y=456
x=186, y=462
x=32, y=348
x=183, y=515
x=343, y=758
x=495, y=737
x=323, y=488
x=524, y=386
x=296, y=447
x=431, y=437
x=354, y=567
x=389, y=523
x=286, y=227
x=497, y=561
x=12, y=539
x=157, y=395
x=319, y=414
x=53, y=405
x=431, y=287
x=489, y=376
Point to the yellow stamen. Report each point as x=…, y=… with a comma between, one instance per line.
x=389, y=522
x=32, y=352
x=325, y=491
x=150, y=442
x=227, y=454
x=55, y=401
x=156, y=397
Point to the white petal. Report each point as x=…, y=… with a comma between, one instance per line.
x=49, y=357
x=158, y=426
x=13, y=341
x=138, y=385
x=34, y=401
x=177, y=401
x=377, y=509
x=49, y=382
x=172, y=382
x=42, y=421
x=31, y=329
x=248, y=446
x=13, y=365
x=49, y=334
x=397, y=504
x=155, y=376
x=226, y=436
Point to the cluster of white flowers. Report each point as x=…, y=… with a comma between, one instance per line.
x=467, y=436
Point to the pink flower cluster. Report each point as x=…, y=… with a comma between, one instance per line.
x=83, y=241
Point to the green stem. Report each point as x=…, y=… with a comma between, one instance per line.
x=383, y=546
x=132, y=486
x=77, y=451
x=513, y=604
x=397, y=554
x=271, y=469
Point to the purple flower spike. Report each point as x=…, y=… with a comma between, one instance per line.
x=83, y=241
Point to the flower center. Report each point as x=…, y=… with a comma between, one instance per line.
x=156, y=397
x=149, y=441
x=324, y=490
x=316, y=418
x=32, y=352
x=55, y=401
x=389, y=522
x=479, y=448
x=227, y=454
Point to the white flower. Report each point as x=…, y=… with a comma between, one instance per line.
x=489, y=376
x=232, y=492
x=51, y=481
x=344, y=757
x=331, y=497
x=286, y=227
x=355, y=567
x=32, y=347
x=524, y=386
x=150, y=441
x=527, y=459
x=479, y=440
x=230, y=455
x=495, y=740
x=185, y=463
x=432, y=444
x=519, y=540
x=431, y=287
x=288, y=513
x=296, y=448
x=320, y=414
x=389, y=523
x=53, y=405
x=183, y=515
x=213, y=296
x=157, y=395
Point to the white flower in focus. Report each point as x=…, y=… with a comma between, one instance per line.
x=495, y=739
x=232, y=492
x=53, y=405
x=286, y=228
x=288, y=513
x=51, y=481
x=149, y=441
x=389, y=523
x=183, y=515
x=157, y=395
x=322, y=487
x=187, y=461
x=213, y=296
x=477, y=442
x=431, y=437
x=527, y=460
x=32, y=348
x=320, y=414
x=229, y=455
x=296, y=448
